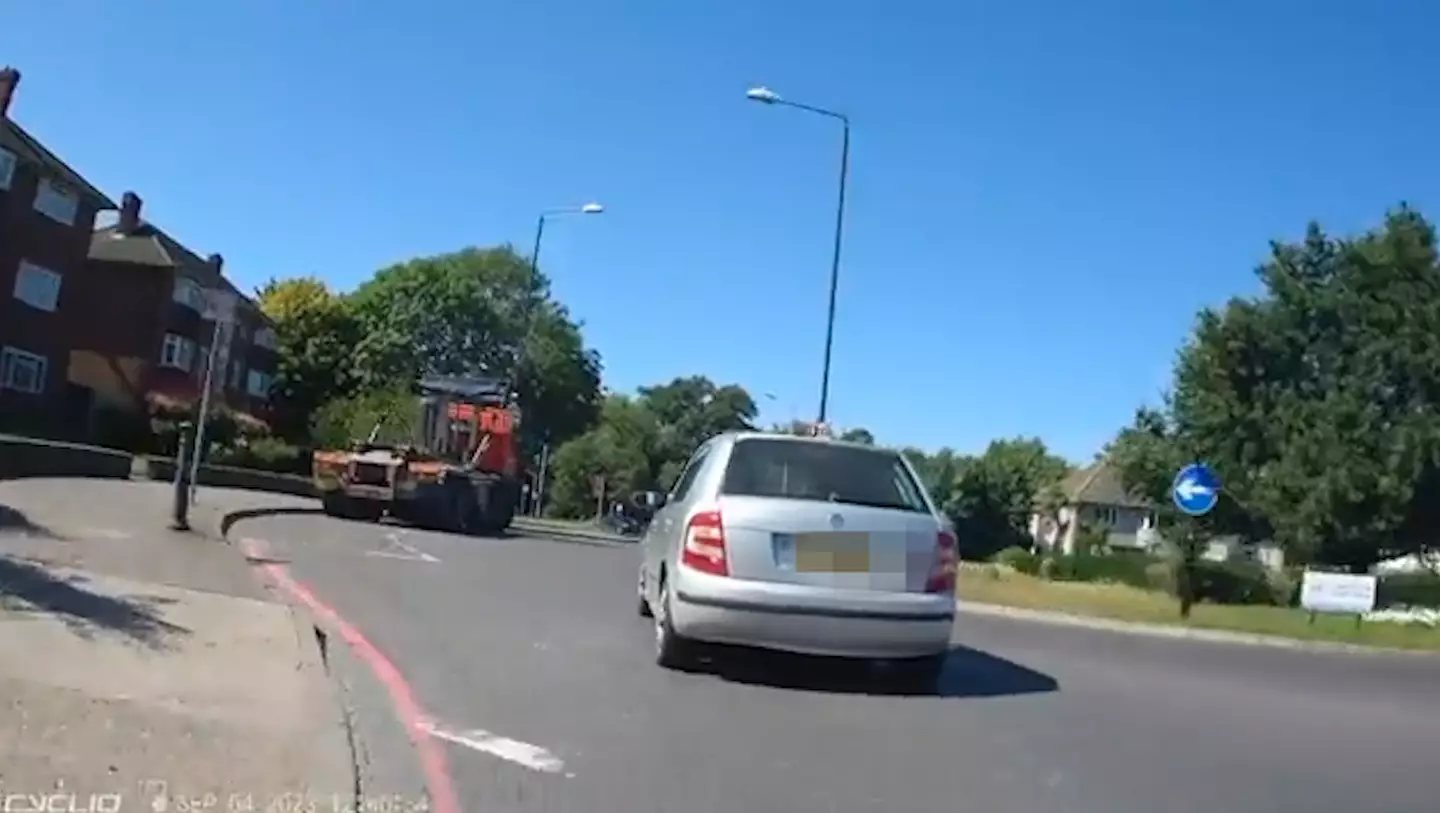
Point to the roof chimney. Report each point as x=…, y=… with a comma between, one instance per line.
x=9, y=80
x=129, y=213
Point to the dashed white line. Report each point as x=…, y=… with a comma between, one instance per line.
x=410, y=552
x=521, y=753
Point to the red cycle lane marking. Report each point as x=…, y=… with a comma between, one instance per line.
x=433, y=763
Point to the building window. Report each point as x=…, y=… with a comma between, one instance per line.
x=189, y=293
x=1106, y=515
x=265, y=337
x=22, y=371
x=259, y=384
x=177, y=353
x=37, y=287
x=237, y=374
x=56, y=202
x=7, y=168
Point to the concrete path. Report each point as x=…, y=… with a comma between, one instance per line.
x=524, y=659
x=138, y=662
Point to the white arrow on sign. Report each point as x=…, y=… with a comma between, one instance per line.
x=1189, y=489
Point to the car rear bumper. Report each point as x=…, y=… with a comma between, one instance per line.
x=793, y=618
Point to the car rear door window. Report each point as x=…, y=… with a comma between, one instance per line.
x=687, y=477
x=829, y=472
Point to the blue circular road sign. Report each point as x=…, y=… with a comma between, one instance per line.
x=1196, y=489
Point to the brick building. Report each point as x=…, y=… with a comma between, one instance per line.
x=110, y=316
x=164, y=345
x=47, y=214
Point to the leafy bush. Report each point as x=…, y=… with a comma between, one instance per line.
x=1285, y=586
x=1160, y=575
x=1232, y=583
x=1047, y=568
x=265, y=454
x=344, y=420
x=1408, y=590
x=1117, y=569
x=1092, y=538
x=1019, y=559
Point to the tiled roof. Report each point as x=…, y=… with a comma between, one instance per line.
x=150, y=245
x=1097, y=484
x=14, y=138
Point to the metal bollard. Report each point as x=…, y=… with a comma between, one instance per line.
x=180, y=519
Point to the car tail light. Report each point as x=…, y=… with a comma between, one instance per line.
x=704, y=548
x=942, y=574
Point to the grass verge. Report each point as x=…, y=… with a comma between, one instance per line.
x=992, y=585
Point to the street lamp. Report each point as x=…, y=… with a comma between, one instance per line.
x=591, y=208
x=765, y=95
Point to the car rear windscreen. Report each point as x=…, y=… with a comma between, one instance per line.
x=808, y=470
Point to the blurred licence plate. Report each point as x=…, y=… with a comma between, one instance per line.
x=837, y=552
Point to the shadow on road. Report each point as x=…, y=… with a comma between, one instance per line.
x=968, y=673
x=231, y=519
x=29, y=588
x=15, y=521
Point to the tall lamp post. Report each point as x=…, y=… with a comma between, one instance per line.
x=587, y=209
x=767, y=96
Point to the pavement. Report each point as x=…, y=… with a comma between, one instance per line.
x=137, y=663
x=522, y=674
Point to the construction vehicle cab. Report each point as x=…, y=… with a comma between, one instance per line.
x=461, y=472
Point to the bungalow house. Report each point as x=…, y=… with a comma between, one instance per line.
x=1094, y=497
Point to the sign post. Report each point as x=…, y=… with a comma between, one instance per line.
x=219, y=308
x=1195, y=490
x=1346, y=593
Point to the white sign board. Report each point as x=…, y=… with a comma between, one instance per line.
x=1337, y=592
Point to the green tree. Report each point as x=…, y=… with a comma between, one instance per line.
x=858, y=435
x=618, y=449
x=480, y=312
x=1318, y=403
x=937, y=471
x=994, y=495
x=392, y=414
x=316, y=335
x=642, y=442
x=688, y=411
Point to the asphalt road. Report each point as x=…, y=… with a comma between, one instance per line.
x=537, y=642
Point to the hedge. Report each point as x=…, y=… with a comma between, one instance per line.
x=26, y=457
x=30, y=457
x=1214, y=582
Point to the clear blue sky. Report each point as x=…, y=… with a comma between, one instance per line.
x=1042, y=195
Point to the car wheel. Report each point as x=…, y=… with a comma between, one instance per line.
x=671, y=650
x=921, y=675
x=642, y=603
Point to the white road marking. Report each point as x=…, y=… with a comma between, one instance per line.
x=521, y=753
x=407, y=551
x=105, y=533
x=404, y=557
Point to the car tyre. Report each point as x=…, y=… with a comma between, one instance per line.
x=671, y=650
x=642, y=604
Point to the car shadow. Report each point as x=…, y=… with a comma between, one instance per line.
x=26, y=587
x=15, y=521
x=968, y=673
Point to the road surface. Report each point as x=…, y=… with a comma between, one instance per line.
x=530, y=661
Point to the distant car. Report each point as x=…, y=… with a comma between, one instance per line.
x=805, y=545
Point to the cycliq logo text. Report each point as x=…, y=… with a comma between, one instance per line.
x=59, y=803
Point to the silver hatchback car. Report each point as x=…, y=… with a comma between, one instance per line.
x=805, y=545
